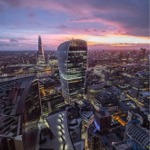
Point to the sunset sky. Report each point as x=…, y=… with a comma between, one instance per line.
x=104, y=24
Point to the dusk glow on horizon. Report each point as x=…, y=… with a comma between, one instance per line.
x=111, y=24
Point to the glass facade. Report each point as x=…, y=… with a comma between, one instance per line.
x=72, y=61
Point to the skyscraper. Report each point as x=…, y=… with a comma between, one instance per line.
x=72, y=62
x=41, y=58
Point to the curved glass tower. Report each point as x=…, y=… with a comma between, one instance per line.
x=72, y=62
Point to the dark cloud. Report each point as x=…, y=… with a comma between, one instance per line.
x=13, y=40
x=93, y=17
x=7, y=44
x=62, y=27
x=15, y=43
x=131, y=15
x=12, y=2
x=31, y=15
x=132, y=24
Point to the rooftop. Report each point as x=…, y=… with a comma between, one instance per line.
x=59, y=127
x=10, y=126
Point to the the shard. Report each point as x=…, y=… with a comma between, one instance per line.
x=40, y=47
x=40, y=57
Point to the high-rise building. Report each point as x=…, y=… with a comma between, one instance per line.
x=102, y=120
x=40, y=58
x=31, y=115
x=93, y=139
x=72, y=62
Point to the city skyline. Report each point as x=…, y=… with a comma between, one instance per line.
x=74, y=99
x=104, y=25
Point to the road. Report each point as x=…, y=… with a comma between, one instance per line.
x=135, y=100
x=85, y=136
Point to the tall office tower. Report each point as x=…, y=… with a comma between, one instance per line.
x=40, y=58
x=31, y=115
x=94, y=141
x=72, y=63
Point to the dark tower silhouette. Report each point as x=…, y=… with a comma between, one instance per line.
x=40, y=47
x=40, y=58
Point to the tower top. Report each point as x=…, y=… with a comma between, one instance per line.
x=40, y=47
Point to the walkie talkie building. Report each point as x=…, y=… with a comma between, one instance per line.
x=72, y=61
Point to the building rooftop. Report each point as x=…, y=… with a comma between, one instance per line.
x=10, y=126
x=106, y=98
x=124, y=145
x=79, y=145
x=128, y=105
x=59, y=127
x=138, y=134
